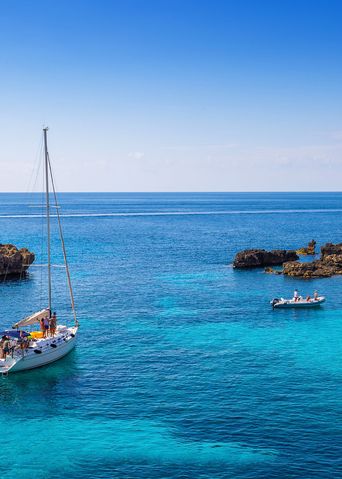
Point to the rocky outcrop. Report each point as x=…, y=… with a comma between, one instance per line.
x=329, y=264
x=331, y=249
x=313, y=269
x=253, y=258
x=308, y=250
x=14, y=262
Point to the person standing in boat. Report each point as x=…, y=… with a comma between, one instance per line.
x=5, y=346
x=46, y=327
x=316, y=295
x=42, y=326
x=2, y=346
x=53, y=325
x=296, y=295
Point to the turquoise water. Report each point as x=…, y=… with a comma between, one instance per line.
x=182, y=370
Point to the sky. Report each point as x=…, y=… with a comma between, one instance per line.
x=173, y=95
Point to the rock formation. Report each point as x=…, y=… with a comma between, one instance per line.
x=331, y=249
x=13, y=261
x=329, y=264
x=308, y=250
x=313, y=269
x=252, y=258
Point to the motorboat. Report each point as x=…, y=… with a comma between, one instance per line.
x=297, y=303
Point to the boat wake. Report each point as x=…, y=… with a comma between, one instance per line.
x=177, y=213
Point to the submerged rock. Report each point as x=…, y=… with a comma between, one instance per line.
x=253, y=258
x=14, y=262
x=270, y=270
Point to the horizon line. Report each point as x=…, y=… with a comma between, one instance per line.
x=176, y=192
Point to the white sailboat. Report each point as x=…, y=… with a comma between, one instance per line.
x=36, y=351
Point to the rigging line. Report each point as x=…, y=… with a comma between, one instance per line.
x=62, y=242
x=34, y=169
x=44, y=265
x=38, y=168
x=57, y=206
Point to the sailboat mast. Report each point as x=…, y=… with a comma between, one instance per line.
x=47, y=216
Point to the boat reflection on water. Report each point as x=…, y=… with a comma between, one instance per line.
x=33, y=385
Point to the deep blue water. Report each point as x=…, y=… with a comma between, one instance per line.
x=182, y=369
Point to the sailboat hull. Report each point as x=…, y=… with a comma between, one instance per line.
x=48, y=354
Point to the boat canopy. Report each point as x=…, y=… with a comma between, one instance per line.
x=34, y=318
x=14, y=334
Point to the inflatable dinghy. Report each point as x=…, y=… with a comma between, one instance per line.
x=300, y=303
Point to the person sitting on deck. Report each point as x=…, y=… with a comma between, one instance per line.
x=53, y=324
x=308, y=298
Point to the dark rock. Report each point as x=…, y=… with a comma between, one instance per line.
x=329, y=264
x=14, y=261
x=329, y=249
x=252, y=258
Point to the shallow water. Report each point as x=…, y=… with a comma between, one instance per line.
x=182, y=370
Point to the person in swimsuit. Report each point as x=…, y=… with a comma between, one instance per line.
x=46, y=327
x=53, y=324
x=2, y=346
x=23, y=341
x=5, y=346
x=42, y=327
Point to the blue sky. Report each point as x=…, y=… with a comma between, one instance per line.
x=170, y=95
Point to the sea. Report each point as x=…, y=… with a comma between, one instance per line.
x=182, y=369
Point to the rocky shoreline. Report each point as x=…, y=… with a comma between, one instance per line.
x=329, y=263
x=14, y=261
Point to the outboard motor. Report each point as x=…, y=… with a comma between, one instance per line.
x=274, y=302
